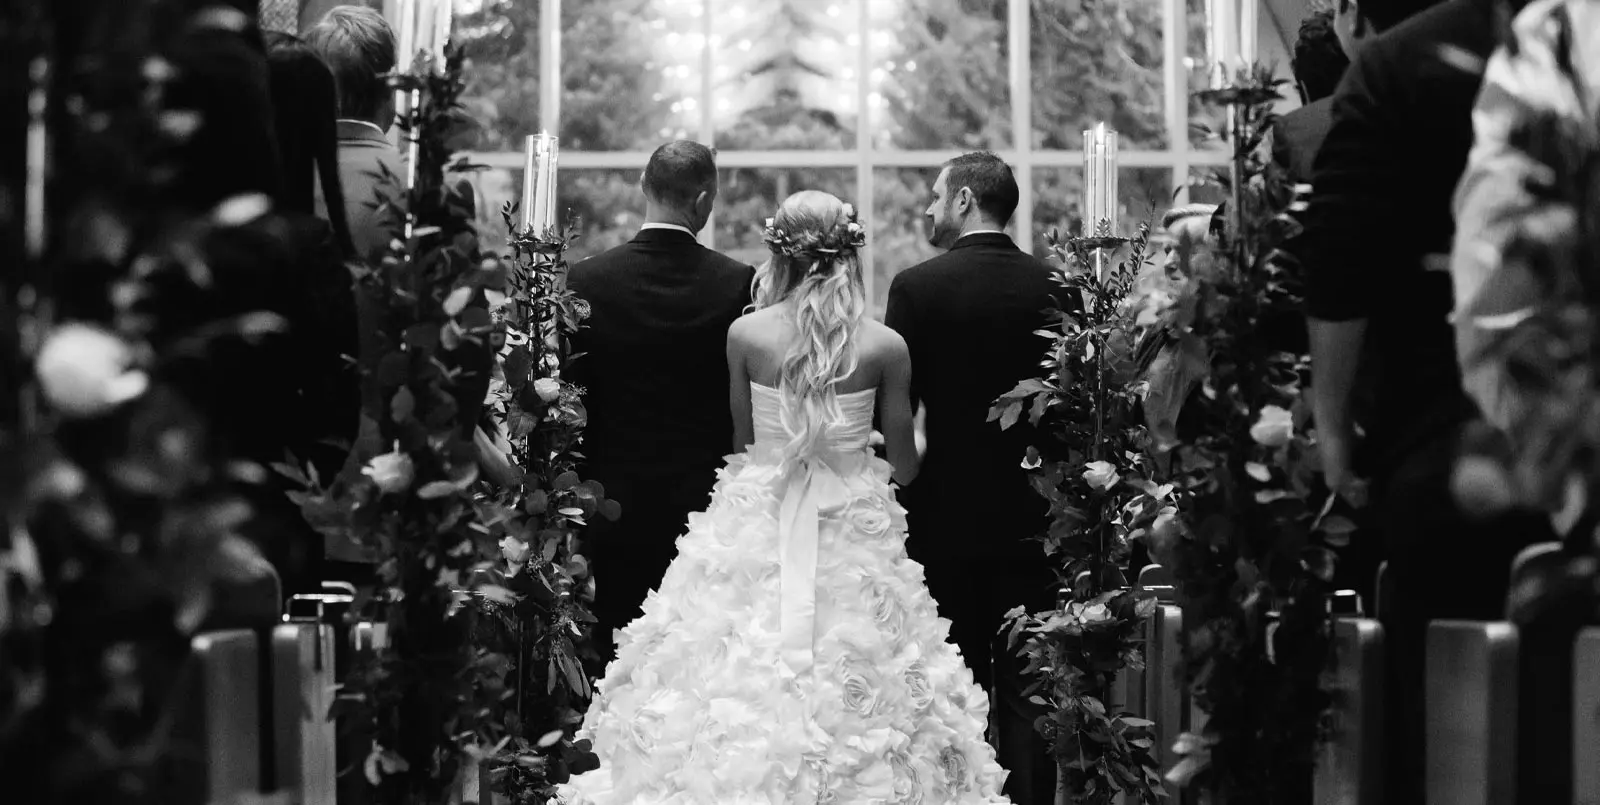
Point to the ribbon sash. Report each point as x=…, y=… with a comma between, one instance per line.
x=814, y=488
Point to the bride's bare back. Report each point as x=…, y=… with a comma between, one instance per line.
x=758, y=343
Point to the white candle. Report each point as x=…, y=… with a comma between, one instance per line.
x=408, y=34
x=1248, y=24
x=1099, y=180
x=1225, y=27
x=443, y=17
x=530, y=178
x=552, y=219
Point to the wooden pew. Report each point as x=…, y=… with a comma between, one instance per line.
x=1586, y=718
x=1350, y=765
x=303, y=654
x=222, y=719
x=1471, y=672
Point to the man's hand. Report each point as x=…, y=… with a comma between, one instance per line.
x=1337, y=472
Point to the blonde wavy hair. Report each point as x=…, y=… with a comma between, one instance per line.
x=815, y=267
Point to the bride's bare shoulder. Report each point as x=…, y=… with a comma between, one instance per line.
x=880, y=340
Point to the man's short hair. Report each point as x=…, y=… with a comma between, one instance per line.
x=679, y=172
x=358, y=45
x=1319, y=61
x=994, y=187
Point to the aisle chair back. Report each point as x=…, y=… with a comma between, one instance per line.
x=1164, y=695
x=217, y=735
x=1350, y=764
x=1471, y=701
x=1586, y=718
x=306, y=740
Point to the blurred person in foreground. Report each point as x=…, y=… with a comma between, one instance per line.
x=1319, y=62
x=1398, y=143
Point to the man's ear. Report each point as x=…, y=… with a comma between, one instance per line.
x=965, y=200
x=704, y=202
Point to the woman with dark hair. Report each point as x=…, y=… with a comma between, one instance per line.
x=305, y=107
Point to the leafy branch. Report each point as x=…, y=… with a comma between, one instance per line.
x=1094, y=475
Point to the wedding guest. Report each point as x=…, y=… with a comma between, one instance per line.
x=968, y=317
x=653, y=363
x=304, y=105
x=359, y=46
x=1319, y=61
x=1398, y=143
x=274, y=392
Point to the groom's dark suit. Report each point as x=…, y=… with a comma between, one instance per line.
x=657, y=377
x=968, y=317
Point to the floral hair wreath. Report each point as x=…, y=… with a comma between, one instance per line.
x=845, y=238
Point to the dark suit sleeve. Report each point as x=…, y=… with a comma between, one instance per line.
x=1280, y=146
x=898, y=316
x=1356, y=212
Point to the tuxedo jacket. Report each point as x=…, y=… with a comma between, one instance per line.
x=652, y=354
x=969, y=317
x=1298, y=135
x=370, y=174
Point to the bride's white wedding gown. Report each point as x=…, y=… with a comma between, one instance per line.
x=792, y=653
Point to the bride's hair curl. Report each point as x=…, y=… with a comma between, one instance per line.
x=814, y=240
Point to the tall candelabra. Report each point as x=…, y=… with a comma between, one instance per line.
x=1100, y=196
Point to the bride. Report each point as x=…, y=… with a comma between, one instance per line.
x=792, y=653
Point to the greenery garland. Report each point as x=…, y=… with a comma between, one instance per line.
x=1249, y=552
x=1096, y=478
x=540, y=420
x=430, y=695
x=119, y=520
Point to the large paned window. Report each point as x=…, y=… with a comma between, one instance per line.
x=861, y=98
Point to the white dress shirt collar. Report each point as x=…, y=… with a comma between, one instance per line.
x=674, y=227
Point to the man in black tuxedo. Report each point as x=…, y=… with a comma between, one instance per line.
x=1320, y=58
x=653, y=363
x=968, y=317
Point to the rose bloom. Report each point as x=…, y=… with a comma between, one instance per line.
x=869, y=521
x=392, y=472
x=954, y=765
x=515, y=550
x=887, y=611
x=1274, y=428
x=918, y=686
x=86, y=371
x=548, y=389
x=1100, y=474
x=859, y=692
x=907, y=783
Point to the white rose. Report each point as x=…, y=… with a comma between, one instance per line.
x=907, y=782
x=918, y=686
x=515, y=550
x=392, y=472
x=1274, y=428
x=548, y=389
x=870, y=522
x=85, y=371
x=954, y=765
x=887, y=611
x=858, y=690
x=1100, y=474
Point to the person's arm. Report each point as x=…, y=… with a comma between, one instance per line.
x=896, y=415
x=898, y=316
x=739, y=389
x=1351, y=221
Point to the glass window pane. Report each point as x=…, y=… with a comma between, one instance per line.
x=1206, y=185
x=747, y=197
x=1097, y=62
x=945, y=74
x=899, y=233
x=1206, y=123
x=608, y=204
x=1057, y=204
x=1146, y=195
x=629, y=74
x=784, y=74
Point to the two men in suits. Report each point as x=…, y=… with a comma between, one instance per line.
x=968, y=317
x=659, y=422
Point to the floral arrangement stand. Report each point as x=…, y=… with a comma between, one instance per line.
x=1090, y=469
x=1250, y=553
x=542, y=621
x=430, y=694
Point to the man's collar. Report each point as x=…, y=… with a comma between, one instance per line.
x=983, y=237
x=674, y=227
x=361, y=130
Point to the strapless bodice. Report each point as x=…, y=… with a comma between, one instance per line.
x=848, y=434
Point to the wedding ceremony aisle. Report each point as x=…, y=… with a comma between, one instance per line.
x=743, y=402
